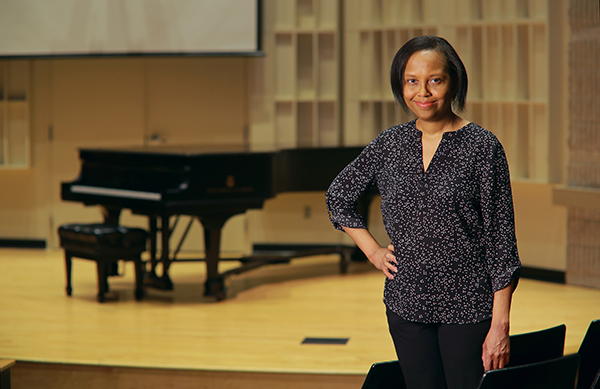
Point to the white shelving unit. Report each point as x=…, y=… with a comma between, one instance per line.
x=14, y=113
x=299, y=80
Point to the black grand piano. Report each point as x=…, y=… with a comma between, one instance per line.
x=210, y=185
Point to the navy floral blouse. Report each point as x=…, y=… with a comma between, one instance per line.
x=452, y=226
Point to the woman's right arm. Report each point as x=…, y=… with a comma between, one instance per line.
x=345, y=190
x=342, y=196
x=382, y=258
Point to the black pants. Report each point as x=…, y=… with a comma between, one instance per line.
x=437, y=356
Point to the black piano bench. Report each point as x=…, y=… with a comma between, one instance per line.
x=106, y=244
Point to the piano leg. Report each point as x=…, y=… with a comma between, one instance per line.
x=151, y=279
x=215, y=282
x=153, y=227
x=165, y=234
x=111, y=216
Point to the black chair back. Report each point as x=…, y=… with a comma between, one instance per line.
x=537, y=346
x=589, y=351
x=384, y=375
x=558, y=373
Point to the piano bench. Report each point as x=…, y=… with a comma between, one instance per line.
x=106, y=244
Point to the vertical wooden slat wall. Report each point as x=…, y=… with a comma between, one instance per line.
x=583, y=257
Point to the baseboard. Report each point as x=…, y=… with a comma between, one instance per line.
x=539, y=274
x=23, y=243
x=34, y=375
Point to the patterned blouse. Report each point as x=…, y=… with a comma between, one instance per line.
x=452, y=226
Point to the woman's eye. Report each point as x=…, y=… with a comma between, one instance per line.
x=411, y=81
x=436, y=80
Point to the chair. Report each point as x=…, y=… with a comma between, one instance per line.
x=105, y=244
x=384, y=375
x=589, y=351
x=5, y=365
x=560, y=373
x=537, y=346
x=525, y=348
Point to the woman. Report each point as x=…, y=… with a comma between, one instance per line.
x=446, y=202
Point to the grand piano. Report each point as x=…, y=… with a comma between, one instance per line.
x=210, y=185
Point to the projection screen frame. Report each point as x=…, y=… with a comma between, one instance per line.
x=90, y=54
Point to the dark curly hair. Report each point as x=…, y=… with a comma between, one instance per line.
x=454, y=66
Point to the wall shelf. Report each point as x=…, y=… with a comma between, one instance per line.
x=302, y=41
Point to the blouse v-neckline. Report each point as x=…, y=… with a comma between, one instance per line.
x=445, y=135
x=437, y=147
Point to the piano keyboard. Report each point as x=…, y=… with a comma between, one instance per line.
x=112, y=192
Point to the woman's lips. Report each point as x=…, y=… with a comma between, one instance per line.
x=424, y=104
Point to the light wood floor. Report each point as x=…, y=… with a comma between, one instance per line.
x=258, y=329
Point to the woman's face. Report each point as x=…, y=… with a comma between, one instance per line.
x=427, y=86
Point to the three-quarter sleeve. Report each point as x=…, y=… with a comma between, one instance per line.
x=350, y=183
x=501, y=254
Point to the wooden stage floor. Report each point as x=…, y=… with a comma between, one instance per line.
x=259, y=329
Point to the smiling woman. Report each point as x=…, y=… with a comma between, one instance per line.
x=452, y=264
x=452, y=66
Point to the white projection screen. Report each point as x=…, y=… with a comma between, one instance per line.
x=30, y=28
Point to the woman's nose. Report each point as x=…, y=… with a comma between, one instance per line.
x=423, y=90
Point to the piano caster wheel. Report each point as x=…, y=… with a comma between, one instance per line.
x=69, y=290
x=215, y=287
x=139, y=294
x=101, y=297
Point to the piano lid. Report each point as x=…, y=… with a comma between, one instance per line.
x=166, y=174
x=139, y=177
